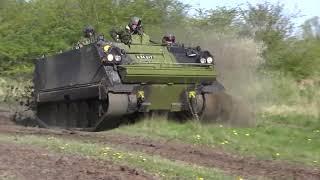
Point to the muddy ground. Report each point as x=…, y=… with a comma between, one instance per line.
x=25, y=163
x=200, y=155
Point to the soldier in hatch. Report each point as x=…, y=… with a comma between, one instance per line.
x=169, y=40
x=88, y=37
x=134, y=28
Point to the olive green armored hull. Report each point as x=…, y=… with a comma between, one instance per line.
x=103, y=84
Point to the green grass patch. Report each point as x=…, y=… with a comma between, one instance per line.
x=161, y=167
x=294, y=138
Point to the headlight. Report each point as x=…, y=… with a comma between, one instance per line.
x=209, y=60
x=110, y=57
x=117, y=58
x=203, y=61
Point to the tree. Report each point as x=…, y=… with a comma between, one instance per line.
x=266, y=21
x=311, y=28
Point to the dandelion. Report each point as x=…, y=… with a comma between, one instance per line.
x=247, y=134
x=277, y=154
x=105, y=153
x=235, y=132
x=309, y=139
x=144, y=159
x=117, y=154
x=120, y=157
x=222, y=143
x=107, y=148
x=221, y=126
x=200, y=178
x=317, y=131
x=240, y=178
x=62, y=147
x=197, y=137
x=227, y=142
x=67, y=144
x=315, y=161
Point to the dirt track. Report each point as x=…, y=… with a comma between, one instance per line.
x=204, y=156
x=24, y=163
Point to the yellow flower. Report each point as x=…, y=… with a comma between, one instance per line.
x=247, y=134
x=221, y=126
x=200, y=178
x=309, y=139
x=222, y=143
x=197, y=137
x=277, y=154
x=315, y=161
x=227, y=142
x=144, y=159
x=62, y=147
x=120, y=157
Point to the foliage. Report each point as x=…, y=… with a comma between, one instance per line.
x=289, y=137
x=29, y=29
x=311, y=28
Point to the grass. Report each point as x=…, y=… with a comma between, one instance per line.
x=156, y=165
x=294, y=138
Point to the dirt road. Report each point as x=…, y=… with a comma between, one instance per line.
x=26, y=163
x=200, y=155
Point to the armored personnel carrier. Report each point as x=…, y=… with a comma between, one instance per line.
x=95, y=87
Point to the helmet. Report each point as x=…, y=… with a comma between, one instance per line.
x=100, y=37
x=135, y=24
x=169, y=39
x=88, y=31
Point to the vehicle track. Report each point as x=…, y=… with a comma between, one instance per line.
x=193, y=154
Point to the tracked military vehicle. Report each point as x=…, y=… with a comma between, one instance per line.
x=97, y=86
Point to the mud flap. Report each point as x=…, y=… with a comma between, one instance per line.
x=218, y=106
x=221, y=107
